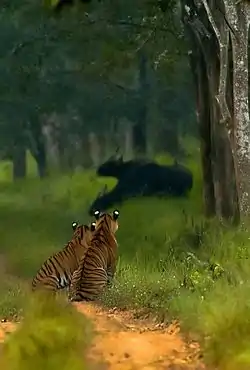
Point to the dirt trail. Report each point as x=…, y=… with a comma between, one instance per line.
x=123, y=343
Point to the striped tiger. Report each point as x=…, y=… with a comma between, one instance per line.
x=97, y=267
x=56, y=272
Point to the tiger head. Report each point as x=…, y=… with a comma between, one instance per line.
x=75, y=225
x=83, y=231
x=111, y=220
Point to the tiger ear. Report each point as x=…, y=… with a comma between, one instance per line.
x=116, y=214
x=92, y=226
x=74, y=225
x=97, y=214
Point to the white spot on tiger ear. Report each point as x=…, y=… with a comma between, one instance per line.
x=116, y=214
x=97, y=214
x=74, y=225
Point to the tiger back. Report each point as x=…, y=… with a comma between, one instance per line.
x=56, y=272
x=97, y=267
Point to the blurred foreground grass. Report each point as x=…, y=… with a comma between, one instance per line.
x=52, y=335
x=173, y=263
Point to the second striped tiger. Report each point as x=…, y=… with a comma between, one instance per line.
x=56, y=272
x=97, y=267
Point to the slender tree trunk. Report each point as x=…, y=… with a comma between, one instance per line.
x=140, y=126
x=201, y=82
x=51, y=145
x=128, y=141
x=41, y=160
x=95, y=149
x=206, y=127
x=39, y=153
x=19, y=161
x=37, y=144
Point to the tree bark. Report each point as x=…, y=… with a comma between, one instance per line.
x=210, y=26
x=238, y=16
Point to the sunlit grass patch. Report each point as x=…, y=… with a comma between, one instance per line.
x=226, y=327
x=12, y=297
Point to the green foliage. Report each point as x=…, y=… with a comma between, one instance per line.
x=52, y=335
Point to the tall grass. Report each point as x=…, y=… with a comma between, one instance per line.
x=172, y=263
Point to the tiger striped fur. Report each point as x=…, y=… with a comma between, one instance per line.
x=97, y=268
x=56, y=272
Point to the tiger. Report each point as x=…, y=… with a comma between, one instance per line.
x=56, y=272
x=97, y=267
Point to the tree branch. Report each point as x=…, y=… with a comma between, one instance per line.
x=211, y=20
x=130, y=23
x=223, y=39
x=221, y=97
x=144, y=26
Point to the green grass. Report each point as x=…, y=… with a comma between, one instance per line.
x=172, y=263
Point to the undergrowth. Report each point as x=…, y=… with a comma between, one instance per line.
x=173, y=262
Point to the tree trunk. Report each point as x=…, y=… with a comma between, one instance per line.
x=209, y=28
x=19, y=162
x=37, y=145
x=201, y=81
x=238, y=16
x=206, y=137
x=95, y=149
x=140, y=126
x=51, y=145
x=41, y=160
x=39, y=153
x=128, y=141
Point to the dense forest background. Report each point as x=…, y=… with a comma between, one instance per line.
x=78, y=84
x=83, y=79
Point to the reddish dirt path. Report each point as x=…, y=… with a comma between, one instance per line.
x=128, y=344
x=123, y=343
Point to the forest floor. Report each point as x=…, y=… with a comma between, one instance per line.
x=123, y=342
